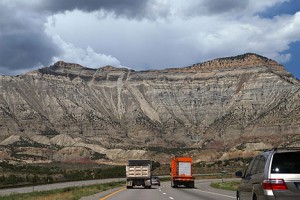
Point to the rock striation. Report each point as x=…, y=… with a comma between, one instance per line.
x=218, y=105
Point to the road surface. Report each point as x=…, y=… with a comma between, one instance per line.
x=202, y=191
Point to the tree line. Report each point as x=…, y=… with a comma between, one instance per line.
x=21, y=175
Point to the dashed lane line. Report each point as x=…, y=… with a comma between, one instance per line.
x=166, y=194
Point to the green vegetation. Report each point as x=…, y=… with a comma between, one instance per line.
x=230, y=166
x=70, y=193
x=209, y=169
x=164, y=179
x=16, y=175
x=227, y=185
x=98, y=156
x=171, y=151
x=243, y=56
x=26, y=143
x=21, y=175
x=49, y=132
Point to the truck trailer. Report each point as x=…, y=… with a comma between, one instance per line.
x=138, y=173
x=181, y=172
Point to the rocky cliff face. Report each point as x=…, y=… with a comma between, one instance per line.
x=221, y=104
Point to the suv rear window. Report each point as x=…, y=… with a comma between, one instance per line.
x=287, y=162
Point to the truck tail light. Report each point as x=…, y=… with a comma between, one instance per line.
x=274, y=184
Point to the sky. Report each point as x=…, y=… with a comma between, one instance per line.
x=145, y=34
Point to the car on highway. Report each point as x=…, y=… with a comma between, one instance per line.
x=272, y=175
x=155, y=180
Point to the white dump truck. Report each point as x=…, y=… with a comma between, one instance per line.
x=138, y=173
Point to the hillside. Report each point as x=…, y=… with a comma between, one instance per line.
x=217, y=109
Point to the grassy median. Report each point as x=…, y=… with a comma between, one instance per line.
x=227, y=185
x=70, y=193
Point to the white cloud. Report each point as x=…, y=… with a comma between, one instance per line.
x=86, y=57
x=176, y=38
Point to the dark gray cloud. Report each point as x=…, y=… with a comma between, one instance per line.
x=128, y=8
x=23, y=41
x=225, y=6
x=216, y=7
x=29, y=49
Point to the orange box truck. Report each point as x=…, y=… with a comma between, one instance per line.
x=181, y=172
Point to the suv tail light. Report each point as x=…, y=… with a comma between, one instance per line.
x=274, y=184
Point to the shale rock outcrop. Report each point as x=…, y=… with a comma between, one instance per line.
x=217, y=105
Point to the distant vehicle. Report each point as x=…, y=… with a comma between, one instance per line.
x=181, y=172
x=155, y=180
x=138, y=173
x=271, y=175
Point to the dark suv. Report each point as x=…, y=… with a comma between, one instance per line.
x=155, y=180
x=271, y=175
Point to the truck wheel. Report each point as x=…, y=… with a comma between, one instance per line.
x=192, y=185
x=129, y=187
x=237, y=196
x=172, y=184
x=175, y=184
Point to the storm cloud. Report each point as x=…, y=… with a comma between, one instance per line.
x=139, y=34
x=128, y=8
x=23, y=41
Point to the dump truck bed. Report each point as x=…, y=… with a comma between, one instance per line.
x=138, y=171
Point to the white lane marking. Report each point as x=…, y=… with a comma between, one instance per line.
x=216, y=194
x=171, y=198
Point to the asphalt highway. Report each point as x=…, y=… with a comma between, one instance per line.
x=202, y=191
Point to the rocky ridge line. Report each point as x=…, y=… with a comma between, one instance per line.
x=215, y=106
